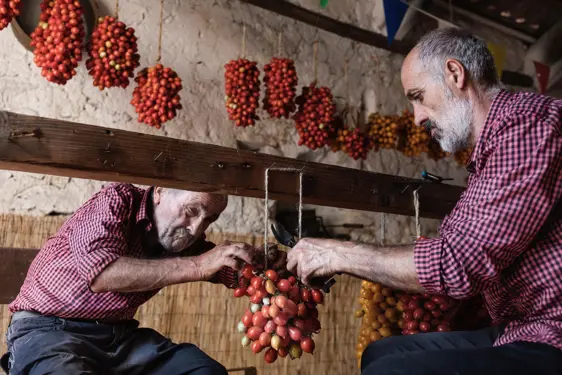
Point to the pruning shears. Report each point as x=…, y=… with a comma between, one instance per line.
x=285, y=238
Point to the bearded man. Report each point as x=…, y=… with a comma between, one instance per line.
x=503, y=239
x=74, y=313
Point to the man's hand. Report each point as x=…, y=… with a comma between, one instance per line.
x=276, y=259
x=227, y=254
x=314, y=261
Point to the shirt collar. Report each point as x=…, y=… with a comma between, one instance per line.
x=498, y=103
x=144, y=214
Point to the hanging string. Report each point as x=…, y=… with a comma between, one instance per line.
x=243, y=41
x=279, y=40
x=345, y=69
x=97, y=11
x=315, y=60
x=417, y=209
x=383, y=229
x=266, y=206
x=160, y=35
x=116, y=9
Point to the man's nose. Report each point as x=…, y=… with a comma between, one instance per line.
x=196, y=226
x=420, y=116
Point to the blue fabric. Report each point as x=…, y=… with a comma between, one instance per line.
x=459, y=353
x=50, y=345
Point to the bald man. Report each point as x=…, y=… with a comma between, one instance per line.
x=74, y=313
x=502, y=240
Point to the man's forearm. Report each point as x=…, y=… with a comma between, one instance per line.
x=139, y=275
x=391, y=266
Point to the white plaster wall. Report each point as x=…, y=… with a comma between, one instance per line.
x=200, y=36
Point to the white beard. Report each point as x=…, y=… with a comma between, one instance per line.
x=453, y=123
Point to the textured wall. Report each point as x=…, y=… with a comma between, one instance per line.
x=200, y=36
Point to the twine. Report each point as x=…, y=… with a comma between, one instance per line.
x=243, y=41
x=160, y=35
x=116, y=9
x=345, y=69
x=417, y=209
x=279, y=41
x=266, y=203
x=383, y=229
x=315, y=60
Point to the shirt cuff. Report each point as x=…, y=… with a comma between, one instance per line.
x=227, y=276
x=427, y=257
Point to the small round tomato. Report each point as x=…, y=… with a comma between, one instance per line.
x=307, y=345
x=239, y=292
x=257, y=282
x=248, y=271
x=271, y=275
x=270, y=355
x=284, y=285
x=256, y=347
x=317, y=296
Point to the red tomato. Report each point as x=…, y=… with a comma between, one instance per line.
x=265, y=311
x=314, y=325
x=255, y=298
x=427, y=317
x=307, y=345
x=247, y=318
x=419, y=313
x=271, y=275
x=281, y=319
x=299, y=323
x=285, y=341
x=281, y=301
x=247, y=271
x=256, y=347
x=283, y=352
x=284, y=285
x=413, y=304
x=261, y=293
x=430, y=305
x=295, y=333
x=292, y=280
x=274, y=311
x=270, y=326
x=436, y=313
x=290, y=308
x=239, y=292
x=408, y=315
x=259, y=320
x=425, y=326
x=435, y=322
x=443, y=328
x=250, y=290
x=270, y=355
x=281, y=331
x=317, y=296
x=254, y=333
x=301, y=310
x=265, y=339
x=295, y=294
x=305, y=294
x=439, y=299
x=444, y=306
x=257, y=282
x=411, y=325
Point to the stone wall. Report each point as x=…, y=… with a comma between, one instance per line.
x=200, y=36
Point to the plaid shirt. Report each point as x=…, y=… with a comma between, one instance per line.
x=112, y=224
x=504, y=237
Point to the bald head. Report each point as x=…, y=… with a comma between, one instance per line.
x=445, y=77
x=182, y=216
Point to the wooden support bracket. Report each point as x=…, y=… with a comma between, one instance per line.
x=40, y=145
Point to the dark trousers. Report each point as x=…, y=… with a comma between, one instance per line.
x=49, y=345
x=459, y=353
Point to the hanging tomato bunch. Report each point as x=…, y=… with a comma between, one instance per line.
x=315, y=116
x=280, y=87
x=242, y=88
x=113, y=54
x=354, y=143
x=8, y=10
x=156, y=98
x=58, y=40
x=282, y=317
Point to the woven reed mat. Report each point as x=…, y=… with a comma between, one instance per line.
x=206, y=314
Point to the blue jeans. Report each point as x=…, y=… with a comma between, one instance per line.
x=459, y=353
x=51, y=345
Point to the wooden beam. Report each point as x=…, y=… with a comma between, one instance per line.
x=13, y=269
x=349, y=31
x=40, y=145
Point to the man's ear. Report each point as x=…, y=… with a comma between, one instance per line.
x=157, y=196
x=455, y=74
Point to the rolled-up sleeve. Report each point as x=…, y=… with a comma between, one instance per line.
x=99, y=237
x=501, y=212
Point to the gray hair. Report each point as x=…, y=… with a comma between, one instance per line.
x=441, y=44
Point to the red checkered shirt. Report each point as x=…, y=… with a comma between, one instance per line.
x=112, y=224
x=504, y=237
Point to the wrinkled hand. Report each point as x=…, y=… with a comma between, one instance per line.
x=313, y=261
x=227, y=254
